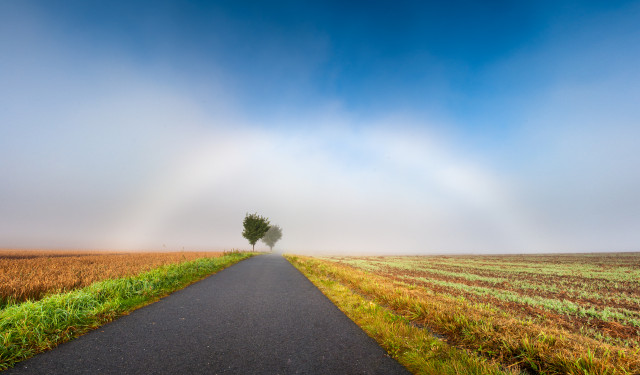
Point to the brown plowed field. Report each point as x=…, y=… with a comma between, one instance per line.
x=594, y=295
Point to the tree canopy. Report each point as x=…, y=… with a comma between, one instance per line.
x=272, y=236
x=255, y=226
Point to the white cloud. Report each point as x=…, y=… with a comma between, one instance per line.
x=113, y=155
x=148, y=166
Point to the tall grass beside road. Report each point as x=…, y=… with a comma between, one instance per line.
x=414, y=347
x=34, y=326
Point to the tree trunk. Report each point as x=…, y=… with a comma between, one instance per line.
x=254, y=247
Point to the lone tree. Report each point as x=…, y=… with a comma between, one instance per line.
x=273, y=235
x=255, y=226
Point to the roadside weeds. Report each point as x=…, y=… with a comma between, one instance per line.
x=415, y=348
x=488, y=337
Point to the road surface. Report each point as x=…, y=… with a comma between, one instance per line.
x=260, y=316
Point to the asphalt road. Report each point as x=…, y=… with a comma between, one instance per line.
x=260, y=316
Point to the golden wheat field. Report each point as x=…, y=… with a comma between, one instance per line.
x=32, y=274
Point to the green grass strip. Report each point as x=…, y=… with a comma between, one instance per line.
x=415, y=348
x=30, y=327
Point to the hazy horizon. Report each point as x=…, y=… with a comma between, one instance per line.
x=411, y=128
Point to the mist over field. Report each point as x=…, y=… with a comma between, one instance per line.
x=512, y=129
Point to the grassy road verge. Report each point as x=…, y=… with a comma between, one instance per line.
x=32, y=327
x=534, y=343
x=415, y=348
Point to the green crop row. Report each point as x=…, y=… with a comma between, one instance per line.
x=626, y=274
x=620, y=279
x=560, y=306
x=571, y=288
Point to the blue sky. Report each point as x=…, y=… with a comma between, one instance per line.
x=401, y=127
